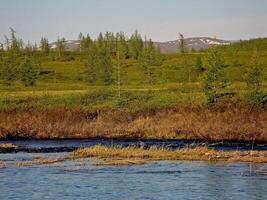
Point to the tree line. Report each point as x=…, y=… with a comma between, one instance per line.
x=18, y=62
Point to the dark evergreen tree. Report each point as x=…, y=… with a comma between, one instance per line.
x=149, y=59
x=100, y=41
x=44, y=45
x=15, y=44
x=135, y=45
x=254, y=80
x=10, y=59
x=121, y=56
x=92, y=63
x=85, y=43
x=182, y=45
x=29, y=71
x=105, y=61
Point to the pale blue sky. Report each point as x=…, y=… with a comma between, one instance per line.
x=160, y=20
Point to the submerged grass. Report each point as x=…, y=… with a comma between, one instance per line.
x=40, y=161
x=118, y=156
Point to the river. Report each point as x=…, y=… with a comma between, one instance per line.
x=82, y=179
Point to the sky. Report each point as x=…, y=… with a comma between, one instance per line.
x=161, y=20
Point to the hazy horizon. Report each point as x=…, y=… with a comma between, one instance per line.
x=229, y=20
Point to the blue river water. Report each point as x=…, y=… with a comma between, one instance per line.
x=82, y=179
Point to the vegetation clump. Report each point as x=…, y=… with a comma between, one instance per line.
x=131, y=154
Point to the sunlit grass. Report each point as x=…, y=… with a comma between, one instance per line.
x=118, y=156
x=135, y=155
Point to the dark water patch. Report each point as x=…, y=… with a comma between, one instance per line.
x=52, y=146
x=159, y=172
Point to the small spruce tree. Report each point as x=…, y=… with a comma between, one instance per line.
x=150, y=58
x=254, y=80
x=105, y=62
x=136, y=45
x=29, y=72
x=92, y=63
x=214, y=80
x=121, y=56
x=44, y=45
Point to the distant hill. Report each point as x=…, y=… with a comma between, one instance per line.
x=196, y=43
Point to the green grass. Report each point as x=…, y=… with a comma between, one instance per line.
x=97, y=98
x=65, y=83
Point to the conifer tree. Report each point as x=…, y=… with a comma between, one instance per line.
x=10, y=59
x=121, y=56
x=60, y=48
x=92, y=63
x=15, y=44
x=135, y=45
x=182, y=45
x=44, y=45
x=122, y=44
x=100, y=41
x=80, y=39
x=85, y=43
x=109, y=41
x=254, y=80
x=183, y=51
x=149, y=59
x=214, y=80
x=105, y=61
x=29, y=71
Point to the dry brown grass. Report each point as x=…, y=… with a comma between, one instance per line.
x=118, y=156
x=133, y=155
x=8, y=145
x=224, y=122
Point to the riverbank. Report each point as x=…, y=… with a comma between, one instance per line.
x=224, y=122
